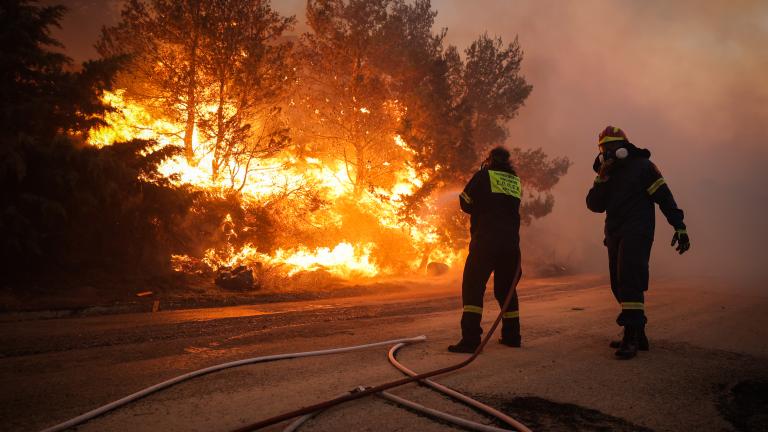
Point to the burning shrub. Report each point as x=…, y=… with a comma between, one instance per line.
x=232, y=146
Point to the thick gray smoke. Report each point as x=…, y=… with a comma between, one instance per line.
x=685, y=79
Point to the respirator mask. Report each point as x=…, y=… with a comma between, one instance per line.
x=609, y=155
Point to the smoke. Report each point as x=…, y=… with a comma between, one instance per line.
x=684, y=79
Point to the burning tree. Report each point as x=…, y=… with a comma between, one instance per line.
x=218, y=65
x=351, y=139
x=162, y=39
x=346, y=104
x=342, y=154
x=248, y=73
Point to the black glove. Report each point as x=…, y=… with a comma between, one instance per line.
x=597, y=164
x=602, y=167
x=682, y=240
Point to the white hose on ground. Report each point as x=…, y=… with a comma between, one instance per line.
x=441, y=415
x=296, y=424
x=456, y=395
x=165, y=384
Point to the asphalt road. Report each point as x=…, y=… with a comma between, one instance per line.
x=706, y=370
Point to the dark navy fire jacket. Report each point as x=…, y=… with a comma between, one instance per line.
x=628, y=196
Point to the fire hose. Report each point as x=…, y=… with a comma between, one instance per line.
x=173, y=381
x=293, y=427
x=454, y=394
x=309, y=411
x=392, y=384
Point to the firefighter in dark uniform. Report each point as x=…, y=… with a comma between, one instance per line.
x=492, y=199
x=627, y=186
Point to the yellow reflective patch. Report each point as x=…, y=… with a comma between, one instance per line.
x=473, y=309
x=511, y=314
x=655, y=186
x=466, y=198
x=633, y=305
x=506, y=183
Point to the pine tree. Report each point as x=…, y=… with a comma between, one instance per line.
x=214, y=66
x=245, y=63
x=66, y=207
x=161, y=40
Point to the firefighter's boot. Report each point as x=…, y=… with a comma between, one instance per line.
x=470, y=333
x=510, y=332
x=642, y=345
x=630, y=343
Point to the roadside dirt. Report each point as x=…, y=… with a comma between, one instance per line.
x=705, y=342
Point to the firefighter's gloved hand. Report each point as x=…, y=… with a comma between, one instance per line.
x=597, y=163
x=605, y=169
x=682, y=240
x=601, y=163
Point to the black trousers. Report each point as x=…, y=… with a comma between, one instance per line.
x=628, y=257
x=500, y=256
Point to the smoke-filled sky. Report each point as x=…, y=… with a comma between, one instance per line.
x=686, y=79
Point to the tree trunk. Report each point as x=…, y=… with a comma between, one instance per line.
x=219, y=154
x=362, y=171
x=189, y=129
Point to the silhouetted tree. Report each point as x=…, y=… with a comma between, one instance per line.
x=65, y=206
x=492, y=86
x=217, y=66
x=346, y=106
x=371, y=69
x=161, y=39
x=541, y=174
x=245, y=65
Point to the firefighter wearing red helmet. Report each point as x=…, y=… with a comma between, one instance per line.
x=492, y=199
x=626, y=188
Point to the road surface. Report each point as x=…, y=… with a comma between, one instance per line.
x=707, y=369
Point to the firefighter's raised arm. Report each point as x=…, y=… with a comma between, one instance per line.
x=469, y=194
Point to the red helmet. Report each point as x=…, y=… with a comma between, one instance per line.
x=611, y=133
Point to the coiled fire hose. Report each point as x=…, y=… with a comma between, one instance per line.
x=392, y=384
x=312, y=410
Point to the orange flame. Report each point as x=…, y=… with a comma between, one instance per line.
x=287, y=171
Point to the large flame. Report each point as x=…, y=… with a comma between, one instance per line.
x=346, y=257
